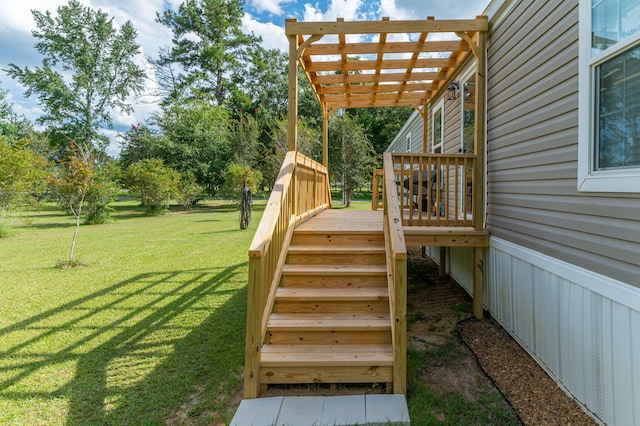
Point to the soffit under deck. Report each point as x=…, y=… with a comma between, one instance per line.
x=382, y=63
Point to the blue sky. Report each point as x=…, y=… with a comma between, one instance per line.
x=262, y=17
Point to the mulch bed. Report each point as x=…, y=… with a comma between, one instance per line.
x=536, y=398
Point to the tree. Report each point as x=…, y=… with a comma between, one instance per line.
x=209, y=44
x=239, y=182
x=309, y=144
x=87, y=70
x=22, y=175
x=103, y=192
x=188, y=190
x=351, y=155
x=138, y=143
x=195, y=140
x=241, y=176
x=12, y=126
x=381, y=124
x=154, y=183
x=72, y=183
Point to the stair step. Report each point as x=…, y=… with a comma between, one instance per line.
x=329, y=322
x=322, y=355
x=327, y=374
x=332, y=237
x=334, y=270
x=346, y=249
x=364, y=294
x=336, y=255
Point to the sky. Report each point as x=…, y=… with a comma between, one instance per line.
x=264, y=18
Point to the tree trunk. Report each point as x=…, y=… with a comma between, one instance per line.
x=245, y=209
x=77, y=215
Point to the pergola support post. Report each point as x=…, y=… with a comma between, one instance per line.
x=325, y=135
x=479, y=170
x=292, y=134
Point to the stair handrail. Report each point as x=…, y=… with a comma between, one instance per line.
x=396, y=252
x=301, y=190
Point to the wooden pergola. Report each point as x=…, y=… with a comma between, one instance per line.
x=382, y=64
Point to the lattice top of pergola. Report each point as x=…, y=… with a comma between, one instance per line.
x=381, y=63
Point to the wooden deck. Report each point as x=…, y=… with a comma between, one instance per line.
x=361, y=221
x=370, y=221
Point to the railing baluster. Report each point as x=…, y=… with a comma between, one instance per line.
x=446, y=188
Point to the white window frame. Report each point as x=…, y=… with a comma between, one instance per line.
x=439, y=106
x=590, y=180
x=408, y=145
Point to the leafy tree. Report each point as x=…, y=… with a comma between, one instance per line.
x=87, y=71
x=12, y=127
x=196, y=140
x=209, y=44
x=189, y=192
x=102, y=193
x=309, y=144
x=239, y=182
x=351, y=155
x=154, y=183
x=242, y=175
x=138, y=143
x=381, y=124
x=22, y=175
x=265, y=85
x=75, y=179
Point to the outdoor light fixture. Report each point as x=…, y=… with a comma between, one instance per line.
x=452, y=90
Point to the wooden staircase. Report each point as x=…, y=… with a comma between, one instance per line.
x=330, y=321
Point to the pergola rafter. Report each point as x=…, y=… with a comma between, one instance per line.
x=378, y=70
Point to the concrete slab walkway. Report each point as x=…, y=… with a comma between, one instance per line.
x=361, y=410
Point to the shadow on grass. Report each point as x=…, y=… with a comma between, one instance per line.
x=155, y=342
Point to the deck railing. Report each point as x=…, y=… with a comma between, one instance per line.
x=435, y=189
x=301, y=190
x=396, y=252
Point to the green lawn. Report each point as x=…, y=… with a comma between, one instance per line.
x=151, y=329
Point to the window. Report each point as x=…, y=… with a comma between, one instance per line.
x=408, y=142
x=438, y=127
x=609, y=96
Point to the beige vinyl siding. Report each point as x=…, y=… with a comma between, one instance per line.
x=413, y=126
x=532, y=148
x=452, y=125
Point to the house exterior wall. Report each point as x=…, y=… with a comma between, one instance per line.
x=413, y=126
x=562, y=271
x=532, y=148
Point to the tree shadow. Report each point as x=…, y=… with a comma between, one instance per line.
x=163, y=346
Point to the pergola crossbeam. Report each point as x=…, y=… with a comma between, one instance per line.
x=372, y=74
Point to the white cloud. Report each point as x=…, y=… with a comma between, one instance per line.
x=347, y=9
x=271, y=6
x=273, y=36
x=17, y=45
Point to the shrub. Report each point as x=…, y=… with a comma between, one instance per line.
x=154, y=183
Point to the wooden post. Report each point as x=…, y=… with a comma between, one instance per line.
x=253, y=338
x=478, y=282
x=293, y=92
x=480, y=117
x=443, y=261
x=400, y=320
x=325, y=135
x=425, y=131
